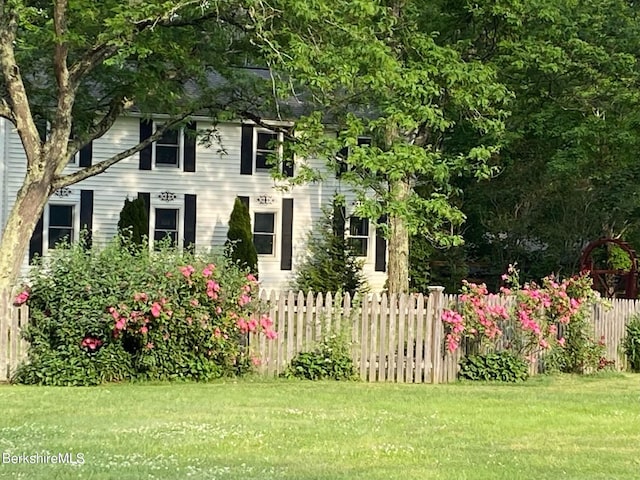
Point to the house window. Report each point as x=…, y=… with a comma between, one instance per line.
x=166, y=225
x=167, y=149
x=359, y=236
x=264, y=233
x=342, y=165
x=61, y=223
x=266, y=148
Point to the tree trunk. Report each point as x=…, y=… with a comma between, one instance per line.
x=16, y=235
x=398, y=266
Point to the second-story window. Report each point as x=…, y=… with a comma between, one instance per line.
x=167, y=149
x=266, y=147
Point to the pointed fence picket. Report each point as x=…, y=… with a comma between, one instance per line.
x=395, y=338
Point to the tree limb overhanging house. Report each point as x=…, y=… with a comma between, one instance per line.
x=189, y=187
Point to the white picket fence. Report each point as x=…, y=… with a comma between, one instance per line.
x=394, y=338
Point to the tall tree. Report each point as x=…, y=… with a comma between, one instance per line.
x=85, y=63
x=407, y=93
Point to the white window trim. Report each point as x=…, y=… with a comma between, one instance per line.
x=278, y=150
x=156, y=125
x=277, y=232
x=348, y=235
x=152, y=223
x=75, y=212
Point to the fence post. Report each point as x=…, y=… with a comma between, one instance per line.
x=437, y=334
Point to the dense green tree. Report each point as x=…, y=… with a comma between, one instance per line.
x=407, y=93
x=134, y=221
x=329, y=264
x=239, y=246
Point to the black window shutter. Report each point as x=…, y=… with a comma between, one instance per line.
x=246, y=150
x=244, y=200
x=286, y=251
x=381, y=248
x=146, y=197
x=86, y=155
x=189, y=221
x=190, y=147
x=35, y=244
x=341, y=166
x=86, y=214
x=146, y=130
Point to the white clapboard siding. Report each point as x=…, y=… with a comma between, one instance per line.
x=216, y=182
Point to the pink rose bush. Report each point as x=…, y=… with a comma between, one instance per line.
x=525, y=319
x=203, y=318
x=120, y=313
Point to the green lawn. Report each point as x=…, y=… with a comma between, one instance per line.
x=548, y=428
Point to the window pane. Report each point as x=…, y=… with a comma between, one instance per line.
x=58, y=234
x=61, y=215
x=166, y=219
x=169, y=137
x=263, y=243
x=358, y=246
x=262, y=161
x=265, y=139
x=358, y=227
x=264, y=222
x=166, y=155
x=160, y=235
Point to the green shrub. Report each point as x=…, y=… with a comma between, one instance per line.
x=112, y=314
x=239, y=246
x=501, y=366
x=329, y=264
x=631, y=343
x=331, y=359
x=133, y=225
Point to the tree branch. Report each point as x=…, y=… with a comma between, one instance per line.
x=61, y=126
x=18, y=104
x=118, y=104
x=66, y=180
x=5, y=110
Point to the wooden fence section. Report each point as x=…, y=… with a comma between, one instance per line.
x=13, y=349
x=395, y=338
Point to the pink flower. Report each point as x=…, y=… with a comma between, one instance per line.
x=218, y=310
x=187, y=271
x=561, y=341
x=544, y=344
x=271, y=334
x=252, y=325
x=121, y=324
x=208, y=270
x=144, y=330
x=217, y=332
x=244, y=299
x=149, y=346
x=241, y=323
x=213, y=285
x=140, y=297
x=251, y=278
x=21, y=298
x=156, y=309
x=91, y=343
x=114, y=313
x=194, y=302
x=265, y=322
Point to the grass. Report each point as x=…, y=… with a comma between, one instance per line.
x=548, y=428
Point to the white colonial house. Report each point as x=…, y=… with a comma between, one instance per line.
x=189, y=189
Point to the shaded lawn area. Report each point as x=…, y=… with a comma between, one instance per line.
x=548, y=428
